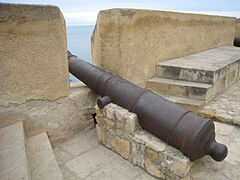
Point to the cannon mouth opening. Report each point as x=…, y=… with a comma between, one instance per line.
x=103, y=101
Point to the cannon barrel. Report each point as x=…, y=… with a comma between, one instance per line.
x=193, y=135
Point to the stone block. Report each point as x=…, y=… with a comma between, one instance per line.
x=39, y=69
x=121, y=146
x=13, y=158
x=153, y=155
x=42, y=162
x=142, y=148
x=131, y=123
x=120, y=114
x=153, y=170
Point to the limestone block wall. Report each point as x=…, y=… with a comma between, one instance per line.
x=119, y=130
x=33, y=53
x=129, y=42
x=237, y=34
x=61, y=118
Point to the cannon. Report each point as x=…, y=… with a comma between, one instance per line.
x=193, y=135
x=236, y=41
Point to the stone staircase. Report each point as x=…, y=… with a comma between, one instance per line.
x=192, y=81
x=26, y=159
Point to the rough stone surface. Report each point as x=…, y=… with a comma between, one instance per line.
x=94, y=162
x=237, y=33
x=193, y=81
x=225, y=107
x=117, y=41
x=138, y=146
x=13, y=157
x=33, y=52
x=61, y=119
x=97, y=162
x=121, y=146
x=165, y=162
x=42, y=162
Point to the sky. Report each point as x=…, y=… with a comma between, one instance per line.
x=84, y=12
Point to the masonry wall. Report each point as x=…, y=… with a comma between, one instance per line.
x=33, y=53
x=61, y=119
x=129, y=42
x=34, y=76
x=118, y=130
x=237, y=34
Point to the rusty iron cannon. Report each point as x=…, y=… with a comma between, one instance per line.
x=193, y=135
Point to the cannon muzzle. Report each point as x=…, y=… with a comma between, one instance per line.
x=193, y=135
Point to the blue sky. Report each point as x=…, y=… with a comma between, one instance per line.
x=84, y=12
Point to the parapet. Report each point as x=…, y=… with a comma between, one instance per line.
x=129, y=42
x=237, y=34
x=33, y=53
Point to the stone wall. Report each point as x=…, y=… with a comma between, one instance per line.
x=119, y=130
x=61, y=118
x=33, y=53
x=130, y=42
x=237, y=34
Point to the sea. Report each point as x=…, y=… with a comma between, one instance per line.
x=79, y=44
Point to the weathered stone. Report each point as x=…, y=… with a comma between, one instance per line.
x=109, y=122
x=119, y=125
x=131, y=123
x=138, y=154
x=74, y=146
x=13, y=153
x=120, y=114
x=99, y=111
x=39, y=69
x=117, y=47
x=90, y=161
x=152, y=169
x=106, y=139
x=121, y=146
x=99, y=133
x=61, y=155
x=237, y=33
x=42, y=162
x=153, y=155
x=62, y=118
x=224, y=107
x=177, y=162
x=109, y=111
x=119, y=132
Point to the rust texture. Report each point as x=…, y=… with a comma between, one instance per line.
x=193, y=135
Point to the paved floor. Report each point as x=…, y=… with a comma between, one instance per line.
x=226, y=107
x=82, y=157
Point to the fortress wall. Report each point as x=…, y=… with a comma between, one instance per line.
x=237, y=34
x=61, y=119
x=129, y=42
x=34, y=79
x=33, y=53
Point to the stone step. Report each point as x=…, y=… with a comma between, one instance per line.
x=193, y=105
x=194, y=90
x=13, y=158
x=218, y=65
x=42, y=162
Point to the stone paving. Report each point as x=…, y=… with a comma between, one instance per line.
x=226, y=107
x=82, y=157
